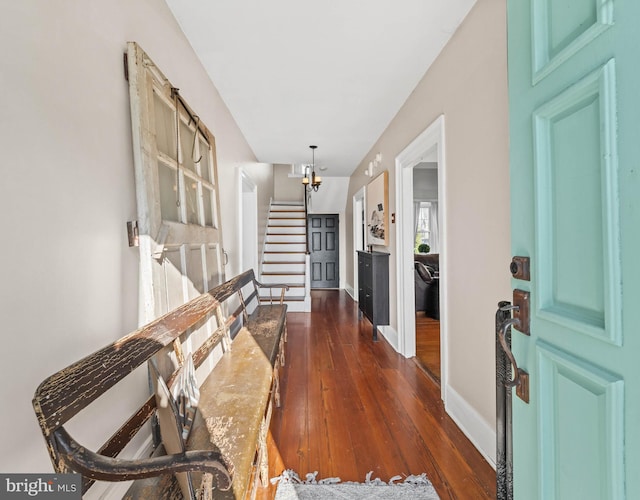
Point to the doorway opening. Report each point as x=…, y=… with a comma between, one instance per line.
x=359, y=228
x=423, y=158
x=248, y=214
x=427, y=263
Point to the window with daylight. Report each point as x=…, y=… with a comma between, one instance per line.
x=184, y=154
x=423, y=226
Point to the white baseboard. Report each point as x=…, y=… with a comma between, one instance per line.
x=471, y=423
x=390, y=334
x=103, y=490
x=299, y=305
x=352, y=293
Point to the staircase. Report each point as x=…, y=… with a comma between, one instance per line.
x=284, y=259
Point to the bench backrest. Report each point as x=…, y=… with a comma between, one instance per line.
x=64, y=394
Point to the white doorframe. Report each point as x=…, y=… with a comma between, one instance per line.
x=358, y=243
x=248, y=222
x=413, y=154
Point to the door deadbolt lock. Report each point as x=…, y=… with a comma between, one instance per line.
x=520, y=268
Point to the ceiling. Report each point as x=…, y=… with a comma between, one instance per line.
x=331, y=73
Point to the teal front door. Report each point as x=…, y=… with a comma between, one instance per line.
x=574, y=99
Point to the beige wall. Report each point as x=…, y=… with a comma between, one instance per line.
x=262, y=174
x=69, y=280
x=286, y=188
x=468, y=84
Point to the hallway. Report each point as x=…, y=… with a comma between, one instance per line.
x=351, y=406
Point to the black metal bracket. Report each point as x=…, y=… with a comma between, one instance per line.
x=504, y=445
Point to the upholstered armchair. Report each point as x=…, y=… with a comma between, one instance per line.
x=431, y=260
x=422, y=278
x=427, y=290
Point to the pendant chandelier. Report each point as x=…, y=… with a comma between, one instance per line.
x=313, y=182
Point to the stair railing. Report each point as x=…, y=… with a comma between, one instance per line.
x=306, y=218
x=264, y=241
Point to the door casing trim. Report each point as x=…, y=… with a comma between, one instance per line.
x=414, y=153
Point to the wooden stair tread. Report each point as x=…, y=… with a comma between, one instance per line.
x=287, y=262
x=294, y=285
x=285, y=252
x=281, y=274
x=285, y=234
x=283, y=243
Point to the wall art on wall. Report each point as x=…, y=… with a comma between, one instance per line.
x=378, y=210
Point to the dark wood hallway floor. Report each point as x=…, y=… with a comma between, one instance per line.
x=350, y=406
x=428, y=344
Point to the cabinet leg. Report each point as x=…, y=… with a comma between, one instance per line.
x=375, y=333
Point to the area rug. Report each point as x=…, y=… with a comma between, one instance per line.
x=291, y=487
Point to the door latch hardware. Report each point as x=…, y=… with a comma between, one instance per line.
x=522, y=389
x=521, y=311
x=132, y=233
x=520, y=268
x=520, y=378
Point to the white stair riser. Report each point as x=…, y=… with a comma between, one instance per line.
x=285, y=247
x=299, y=306
x=286, y=222
x=300, y=230
x=287, y=238
x=283, y=268
x=281, y=278
x=294, y=305
x=292, y=292
x=287, y=257
x=287, y=215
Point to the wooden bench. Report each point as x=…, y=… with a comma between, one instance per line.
x=226, y=449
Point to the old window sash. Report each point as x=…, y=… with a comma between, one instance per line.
x=180, y=235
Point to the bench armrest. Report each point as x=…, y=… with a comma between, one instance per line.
x=99, y=467
x=284, y=287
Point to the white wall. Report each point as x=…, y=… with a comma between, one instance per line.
x=331, y=197
x=262, y=175
x=69, y=280
x=468, y=84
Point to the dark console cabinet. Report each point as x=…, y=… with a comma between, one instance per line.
x=373, y=288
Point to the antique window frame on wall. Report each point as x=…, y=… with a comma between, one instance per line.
x=177, y=192
x=378, y=210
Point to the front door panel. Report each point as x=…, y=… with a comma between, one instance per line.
x=574, y=150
